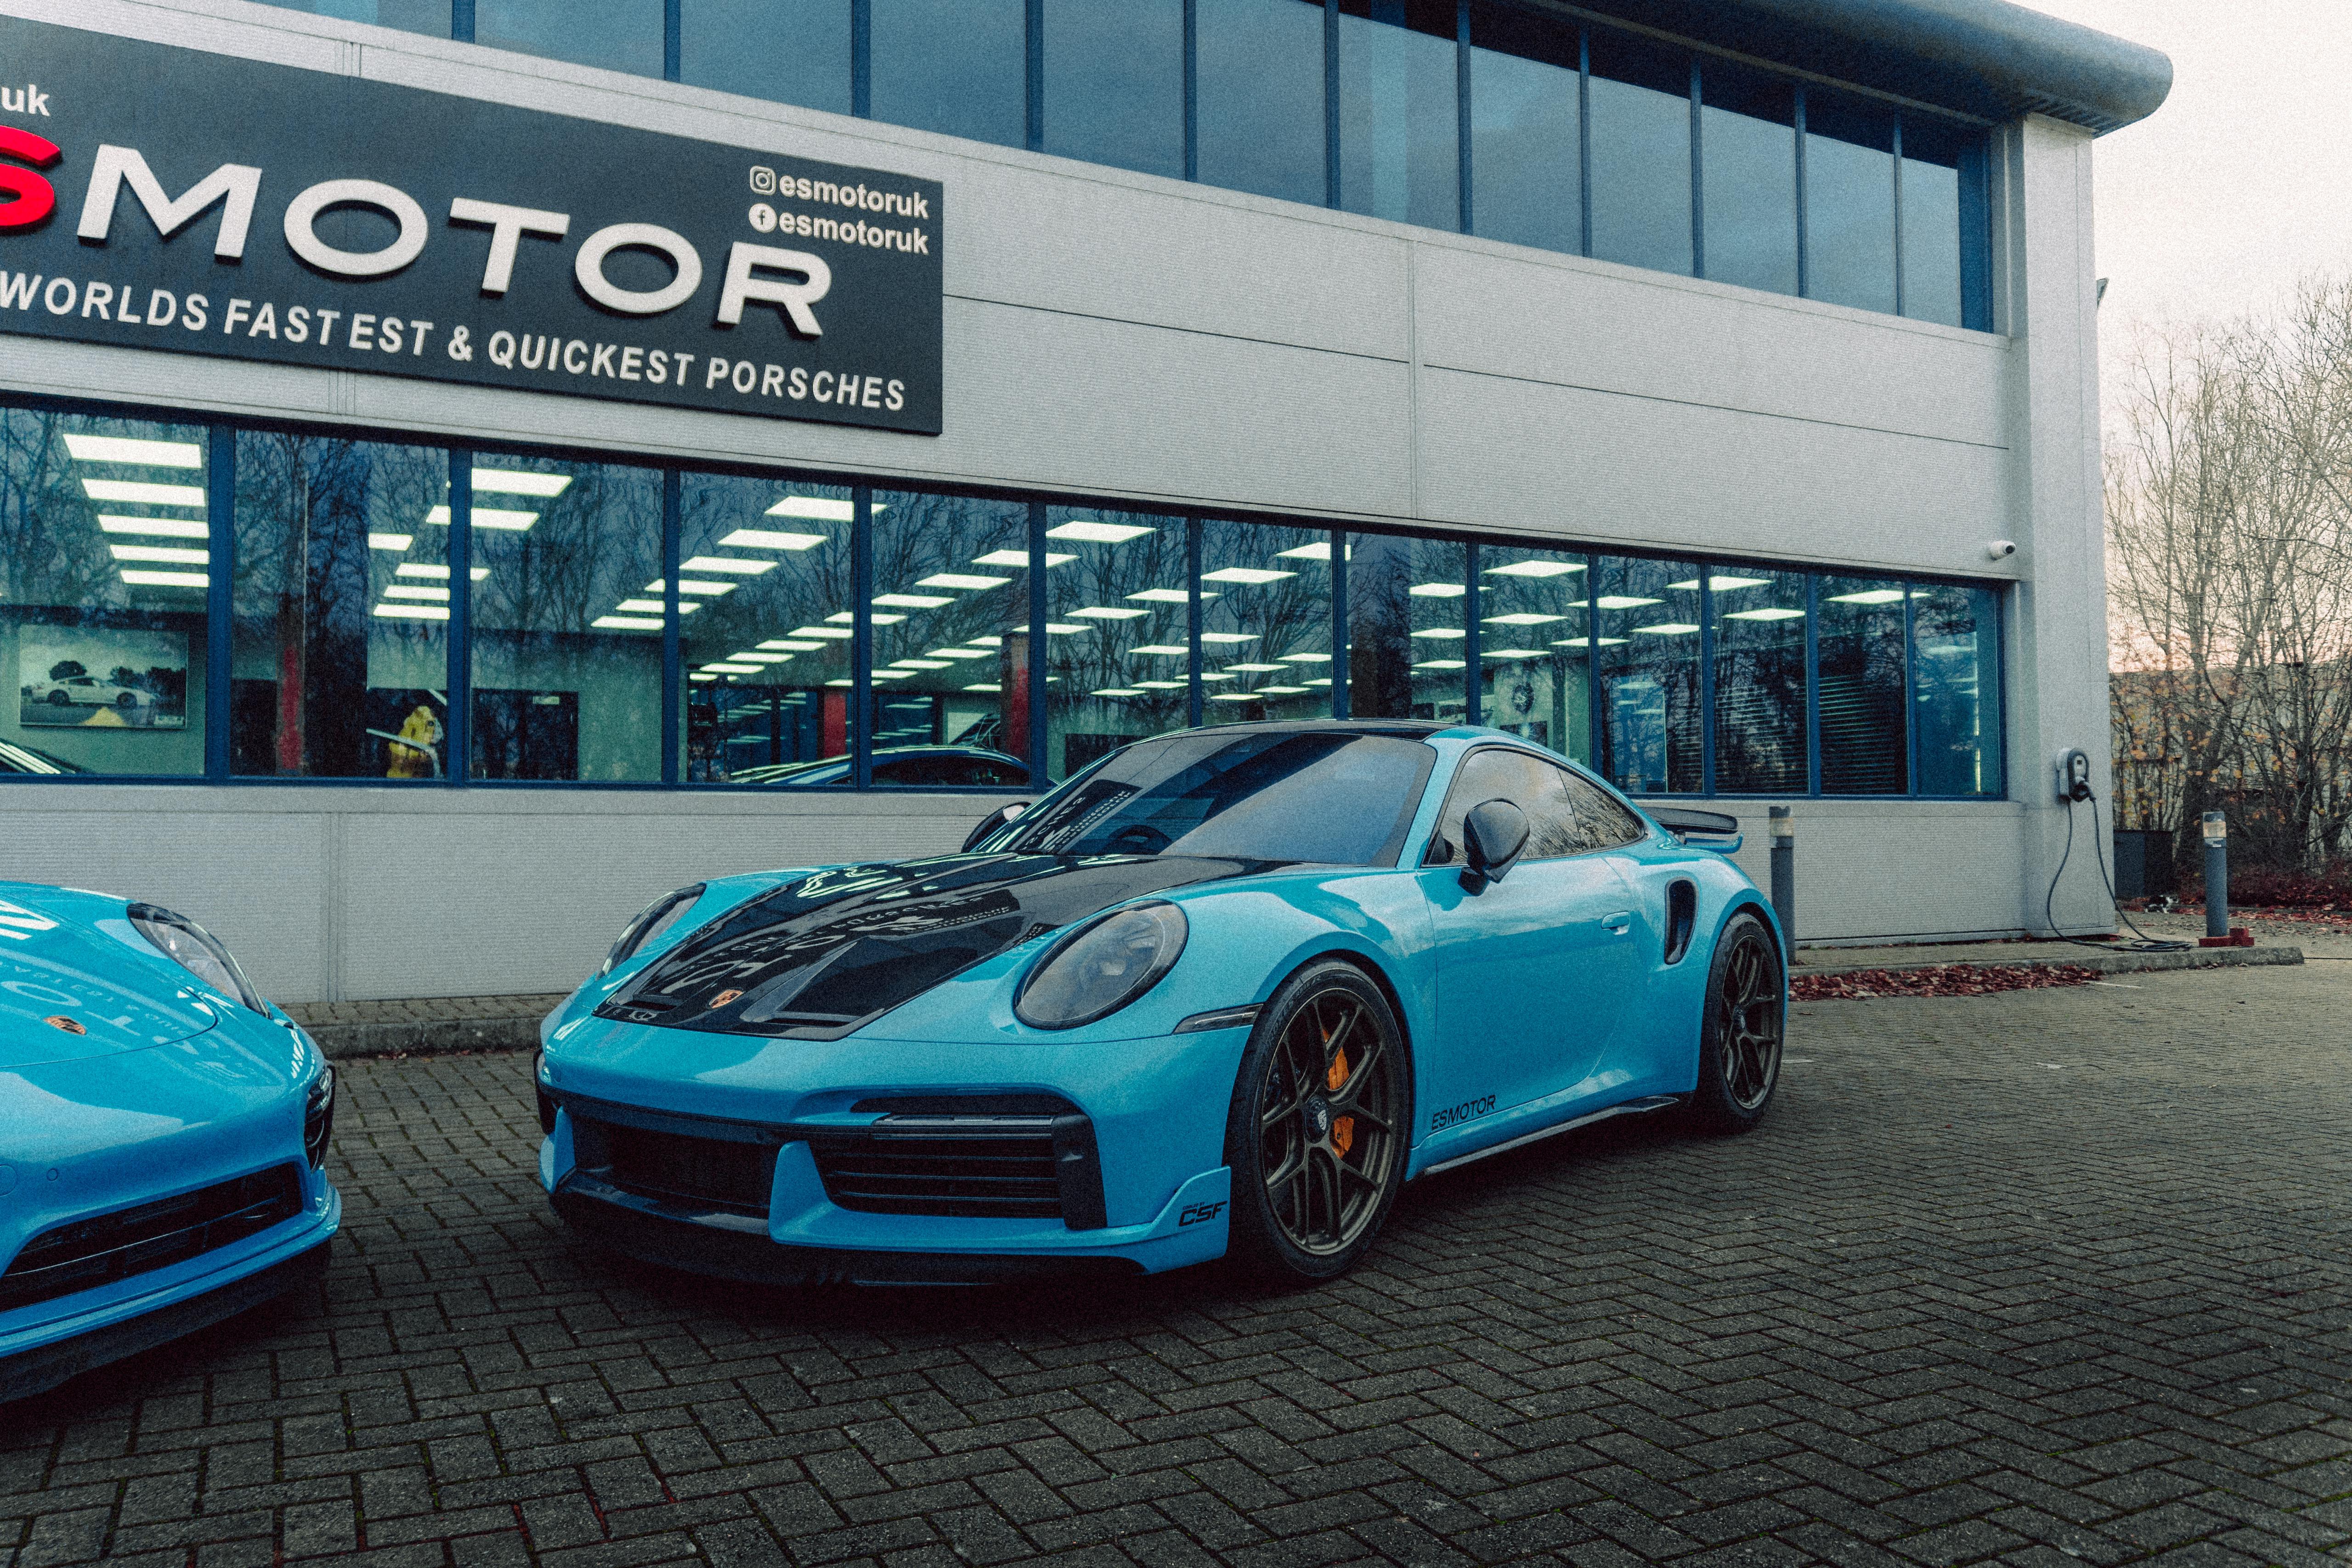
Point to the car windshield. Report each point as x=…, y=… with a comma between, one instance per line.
x=1330, y=797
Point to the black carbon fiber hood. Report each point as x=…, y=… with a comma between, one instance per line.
x=816, y=958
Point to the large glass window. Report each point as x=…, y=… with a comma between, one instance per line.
x=104, y=563
x=1747, y=138
x=1535, y=628
x=343, y=600
x=1400, y=111
x=1260, y=69
x=1956, y=654
x=430, y=17
x=1117, y=580
x=1526, y=157
x=1646, y=620
x=559, y=691
x=1408, y=646
x=1115, y=83
x=1265, y=622
x=1640, y=153
x=1849, y=202
x=959, y=67
x=1759, y=682
x=1932, y=223
x=618, y=35
x=794, y=51
x=1865, y=741
x=766, y=652
x=951, y=639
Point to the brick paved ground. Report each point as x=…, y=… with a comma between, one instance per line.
x=2056, y=1276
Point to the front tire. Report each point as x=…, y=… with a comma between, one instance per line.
x=1742, y=1023
x=1316, y=1135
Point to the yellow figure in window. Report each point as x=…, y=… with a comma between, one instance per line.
x=416, y=761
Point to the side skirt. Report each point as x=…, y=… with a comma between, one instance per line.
x=1641, y=1107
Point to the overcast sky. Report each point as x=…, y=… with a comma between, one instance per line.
x=2242, y=181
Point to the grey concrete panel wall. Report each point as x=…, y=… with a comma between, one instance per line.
x=1877, y=870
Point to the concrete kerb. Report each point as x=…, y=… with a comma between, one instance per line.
x=2124, y=962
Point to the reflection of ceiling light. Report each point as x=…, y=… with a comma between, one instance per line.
x=1763, y=615
x=768, y=538
x=1319, y=550
x=1324, y=682
x=1057, y=628
x=1218, y=675
x=961, y=580
x=825, y=633
x=1441, y=634
x=1116, y=692
x=1575, y=643
x=823, y=508
x=1723, y=584
x=415, y=591
x=1233, y=696
x=921, y=664
x=1442, y=664
x=698, y=676
x=724, y=668
x=1279, y=691
x=383, y=541
x=960, y=653
x=1437, y=590
x=183, y=528
x=1093, y=532
x=984, y=686
x=126, y=449
x=1228, y=636
x=180, y=553
x=437, y=573
x=140, y=577
x=1869, y=596
x=1621, y=602
x=139, y=490
x=520, y=481
x=1608, y=641
x=1248, y=574
x=1167, y=596
x=1019, y=558
x=791, y=645
x=1106, y=612
x=1665, y=628
x=749, y=658
x=1165, y=650
x=985, y=641
x=888, y=676
x=727, y=564
x=841, y=682
x=1161, y=685
x=706, y=588
x=913, y=601
x=628, y=623
x=1306, y=658
x=1515, y=654
x=1535, y=569
x=1257, y=669
x=413, y=612
x=641, y=606
x=489, y=517
x=1522, y=618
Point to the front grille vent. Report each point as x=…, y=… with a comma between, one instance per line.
x=672, y=1167
x=969, y=1166
x=90, y=1252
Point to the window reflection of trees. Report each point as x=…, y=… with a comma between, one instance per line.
x=1287, y=622
x=1101, y=656
x=918, y=536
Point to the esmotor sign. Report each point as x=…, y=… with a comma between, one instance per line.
x=164, y=198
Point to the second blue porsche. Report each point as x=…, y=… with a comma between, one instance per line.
x=1223, y=991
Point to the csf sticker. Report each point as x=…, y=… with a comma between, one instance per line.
x=1200, y=1213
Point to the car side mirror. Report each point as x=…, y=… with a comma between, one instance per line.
x=994, y=820
x=1494, y=834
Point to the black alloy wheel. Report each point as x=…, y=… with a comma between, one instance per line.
x=1316, y=1134
x=1741, y=1029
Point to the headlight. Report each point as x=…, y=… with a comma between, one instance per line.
x=196, y=950
x=651, y=922
x=1101, y=966
x=319, y=1115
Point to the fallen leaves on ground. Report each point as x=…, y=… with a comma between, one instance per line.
x=1941, y=980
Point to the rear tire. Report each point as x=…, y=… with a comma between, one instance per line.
x=1743, y=1022
x=1317, y=1131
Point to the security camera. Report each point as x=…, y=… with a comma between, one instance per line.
x=2000, y=549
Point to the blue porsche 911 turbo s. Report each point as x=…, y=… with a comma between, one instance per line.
x=1223, y=991
x=162, y=1134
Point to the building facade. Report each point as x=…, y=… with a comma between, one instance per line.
x=412, y=566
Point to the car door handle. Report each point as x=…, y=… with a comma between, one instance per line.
x=1617, y=925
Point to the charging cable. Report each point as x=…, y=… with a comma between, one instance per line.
x=2146, y=944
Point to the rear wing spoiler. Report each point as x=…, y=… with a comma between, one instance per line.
x=1707, y=830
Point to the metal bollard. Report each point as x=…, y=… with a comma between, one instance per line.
x=2217, y=875
x=1784, y=878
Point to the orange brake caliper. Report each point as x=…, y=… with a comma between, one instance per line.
x=1343, y=1128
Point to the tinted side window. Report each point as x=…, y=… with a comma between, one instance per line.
x=1606, y=821
x=1531, y=784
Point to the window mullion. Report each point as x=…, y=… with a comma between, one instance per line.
x=458, y=738
x=220, y=596
x=673, y=650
